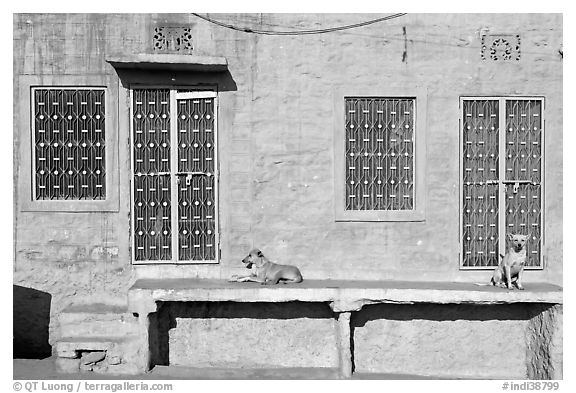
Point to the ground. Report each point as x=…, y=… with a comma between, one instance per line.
x=45, y=369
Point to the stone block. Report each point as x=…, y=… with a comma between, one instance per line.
x=92, y=357
x=99, y=325
x=100, y=368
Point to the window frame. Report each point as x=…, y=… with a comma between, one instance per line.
x=200, y=90
x=502, y=99
x=27, y=84
x=420, y=104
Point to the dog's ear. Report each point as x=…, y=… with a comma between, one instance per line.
x=510, y=236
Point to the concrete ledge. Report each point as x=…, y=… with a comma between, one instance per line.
x=170, y=62
x=342, y=295
x=94, y=308
x=345, y=297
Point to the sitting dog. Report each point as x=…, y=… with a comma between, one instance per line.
x=511, y=267
x=266, y=272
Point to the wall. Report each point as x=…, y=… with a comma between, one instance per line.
x=245, y=335
x=425, y=339
x=443, y=340
x=276, y=127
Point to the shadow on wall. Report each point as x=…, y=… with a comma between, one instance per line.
x=166, y=319
x=446, y=312
x=223, y=79
x=31, y=318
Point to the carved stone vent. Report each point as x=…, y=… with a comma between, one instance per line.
x=172, y=39
x=500, y=47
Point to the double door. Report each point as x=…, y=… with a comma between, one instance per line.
x=174, y=176
x=501, y=176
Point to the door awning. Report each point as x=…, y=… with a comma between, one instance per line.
x=168, y=62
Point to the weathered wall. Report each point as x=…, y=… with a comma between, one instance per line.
x=276, y=125
x=246, y=335
x=437, y=340
x=461, y=341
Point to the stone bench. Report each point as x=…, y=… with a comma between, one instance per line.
x=343, y=297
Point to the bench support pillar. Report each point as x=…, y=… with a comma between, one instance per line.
x=143, y=306
x=344, y=345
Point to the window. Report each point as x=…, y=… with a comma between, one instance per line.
x=175, y=176
x=501, y=174
x=378, y=171
x=68, y=143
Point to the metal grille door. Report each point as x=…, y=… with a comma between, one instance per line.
x=524, y=173
x=196, y=178
x=379, y=153
x=501, y=178
x=480, y=182
x=174, y=214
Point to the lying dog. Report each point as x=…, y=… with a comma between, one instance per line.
x=511, y=267
x=266, y=272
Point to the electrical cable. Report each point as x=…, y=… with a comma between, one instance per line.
x=298, y=32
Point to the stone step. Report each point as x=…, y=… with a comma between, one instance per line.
x=71, y=347
x=98, y=320
x=117, y=354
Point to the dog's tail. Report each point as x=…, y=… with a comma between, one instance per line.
x=483, y=284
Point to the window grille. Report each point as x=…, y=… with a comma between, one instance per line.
x=379, y=149
x=501, y=178
x=69, y=144
x=175, y=172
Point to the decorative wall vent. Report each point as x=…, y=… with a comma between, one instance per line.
x=172, y=39
x=500, y=47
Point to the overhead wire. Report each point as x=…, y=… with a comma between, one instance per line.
x=298, y=32
x=413, y=39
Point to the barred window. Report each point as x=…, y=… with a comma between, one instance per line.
x=376, y=156
x=68, y=140
x=379, y=153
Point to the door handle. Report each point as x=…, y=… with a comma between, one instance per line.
x=190, y=174
x=516, y=184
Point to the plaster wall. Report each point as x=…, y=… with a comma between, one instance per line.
x=444, y=340
x=276, y=125
x=436, y=340
x=246, y=335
